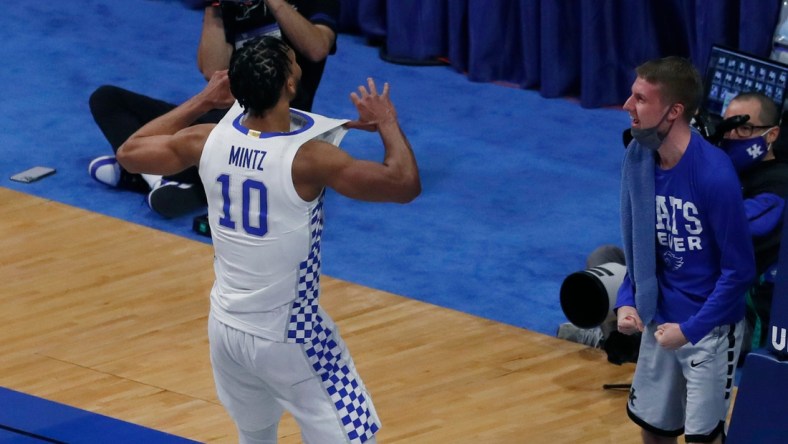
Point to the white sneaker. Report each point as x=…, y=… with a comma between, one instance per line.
x=591, y=337
x=173, y=199
x=105, y=169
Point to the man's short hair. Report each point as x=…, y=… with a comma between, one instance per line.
x=258, y=72
x=678, y=80
x=768, y=114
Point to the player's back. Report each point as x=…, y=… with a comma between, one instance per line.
x=266, y=238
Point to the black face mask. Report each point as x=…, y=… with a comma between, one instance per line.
x=650, y=137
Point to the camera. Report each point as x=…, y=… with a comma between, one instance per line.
x=713, y=128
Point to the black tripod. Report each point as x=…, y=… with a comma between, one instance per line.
x=621, y=348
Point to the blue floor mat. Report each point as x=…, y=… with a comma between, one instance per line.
x=518, y=189
x=37, y=420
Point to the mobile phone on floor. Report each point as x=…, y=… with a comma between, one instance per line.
x=33, y=174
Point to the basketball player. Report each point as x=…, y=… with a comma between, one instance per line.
x=689, y=261
x=265, y=168
x=309, y=27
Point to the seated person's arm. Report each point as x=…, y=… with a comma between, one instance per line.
x=213, y=52
x=764, y=213
x=308, y=39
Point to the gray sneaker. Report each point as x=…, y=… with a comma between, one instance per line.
x=591, y=337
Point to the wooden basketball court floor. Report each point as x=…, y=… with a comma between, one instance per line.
x=110, y=317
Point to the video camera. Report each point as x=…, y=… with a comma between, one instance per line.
x=713, y=127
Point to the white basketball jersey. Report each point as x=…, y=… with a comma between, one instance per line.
x=266, y=238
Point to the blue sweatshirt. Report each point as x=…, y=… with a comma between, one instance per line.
x=705, y=259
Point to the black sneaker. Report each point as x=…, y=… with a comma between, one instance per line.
x=173, y=199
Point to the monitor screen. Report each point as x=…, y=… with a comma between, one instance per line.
x=730, y=72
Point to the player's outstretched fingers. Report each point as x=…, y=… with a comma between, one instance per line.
x=373, y=90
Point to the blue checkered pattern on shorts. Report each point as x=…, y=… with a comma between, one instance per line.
x=303, y=311
x=341, y=384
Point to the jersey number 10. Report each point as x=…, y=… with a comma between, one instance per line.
x=250, y=188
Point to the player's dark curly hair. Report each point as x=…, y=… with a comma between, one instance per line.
x=258, y=71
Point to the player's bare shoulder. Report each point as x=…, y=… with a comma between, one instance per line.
x=311, y=166
x=318, y=154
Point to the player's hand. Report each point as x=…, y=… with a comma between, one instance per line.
x=629, y=321
x=670, y=336
x=374, y=110
x=217, y=91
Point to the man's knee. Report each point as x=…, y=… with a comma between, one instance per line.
x=264, y=436
x=103, y=96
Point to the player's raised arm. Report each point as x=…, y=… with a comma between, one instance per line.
x=394, y=179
